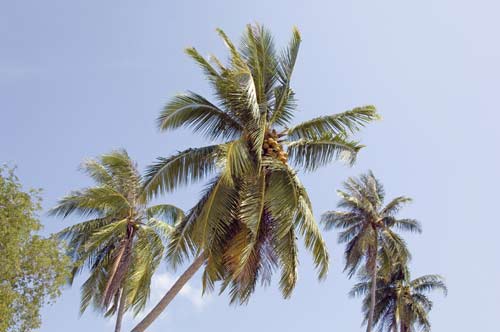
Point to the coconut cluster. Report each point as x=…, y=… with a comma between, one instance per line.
x=273, y=148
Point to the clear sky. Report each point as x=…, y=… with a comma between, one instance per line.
x=79, y=78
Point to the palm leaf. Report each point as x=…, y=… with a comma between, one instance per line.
x=193, y=111
x=284, y=104
x=184, y=167
x=170, y=214
x=337, y=124
x=91, y=201
x=310, y=154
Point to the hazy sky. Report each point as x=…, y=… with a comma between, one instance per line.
x=79, y=78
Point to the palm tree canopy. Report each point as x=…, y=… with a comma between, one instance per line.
x=401, y=301
x=122, y=240
x=367, y=224
x=254, y=206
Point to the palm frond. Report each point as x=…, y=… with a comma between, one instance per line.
x=240, y=81
x=147, y=255
x=194, y=111
x=258, y=51
x=168, y=213
x=395, y=245
x=359, y=289
x=236, y=161
x=210, y=71
x=284, y=104
x=313, y=240
x=395, y=205
x=251, y=214
x=91, y=201
x=180, y=169
x=337, y=124
x=339, y=219
x=102, y=235
x=312, y=153
x=96, y=171
x=287, y=252
x=161, y=228
x=429, y=283
x=410, y=225
x=282, y=195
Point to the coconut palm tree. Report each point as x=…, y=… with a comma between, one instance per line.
x=122, y=240
x=368, y=227
x=402, y=304
x=245, y=225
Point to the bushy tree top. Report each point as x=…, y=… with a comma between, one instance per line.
x=32, y=268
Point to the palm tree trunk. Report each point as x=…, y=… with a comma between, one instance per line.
x=169, y=296
x=373, y=291
x=396, y=317
x=119, y=315
x=114, y=268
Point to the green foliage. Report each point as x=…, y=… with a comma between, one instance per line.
x=367, y=226
x=402, y=303
x=123, y=242
x=248, y=218
x=32, y=268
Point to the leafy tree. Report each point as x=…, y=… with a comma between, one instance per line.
x=32, y=268
x=246, y=223
x=122, y=240
x=368, y=227
x=402, y=303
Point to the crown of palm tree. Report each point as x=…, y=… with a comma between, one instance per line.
x=122, y=241
x=402, y=304
x=251, y=211
x=367, y=225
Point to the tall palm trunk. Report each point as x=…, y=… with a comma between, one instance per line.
x=112, y=273
x=373, y=291
x=121, y=307
x=169, y=296
x=120, y=265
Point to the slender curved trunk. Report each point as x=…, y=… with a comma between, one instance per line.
x=169, y=296
x=114, y=268
x=373, y=291
x=396, y=316
x=119, y=315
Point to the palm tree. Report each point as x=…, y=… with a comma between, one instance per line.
x=122, y=241
x=245, y=225
x=367, y=228
x=402, y=303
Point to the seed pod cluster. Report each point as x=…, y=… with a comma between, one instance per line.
x=273, y=148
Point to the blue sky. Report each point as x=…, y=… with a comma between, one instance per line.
x=81, y=78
